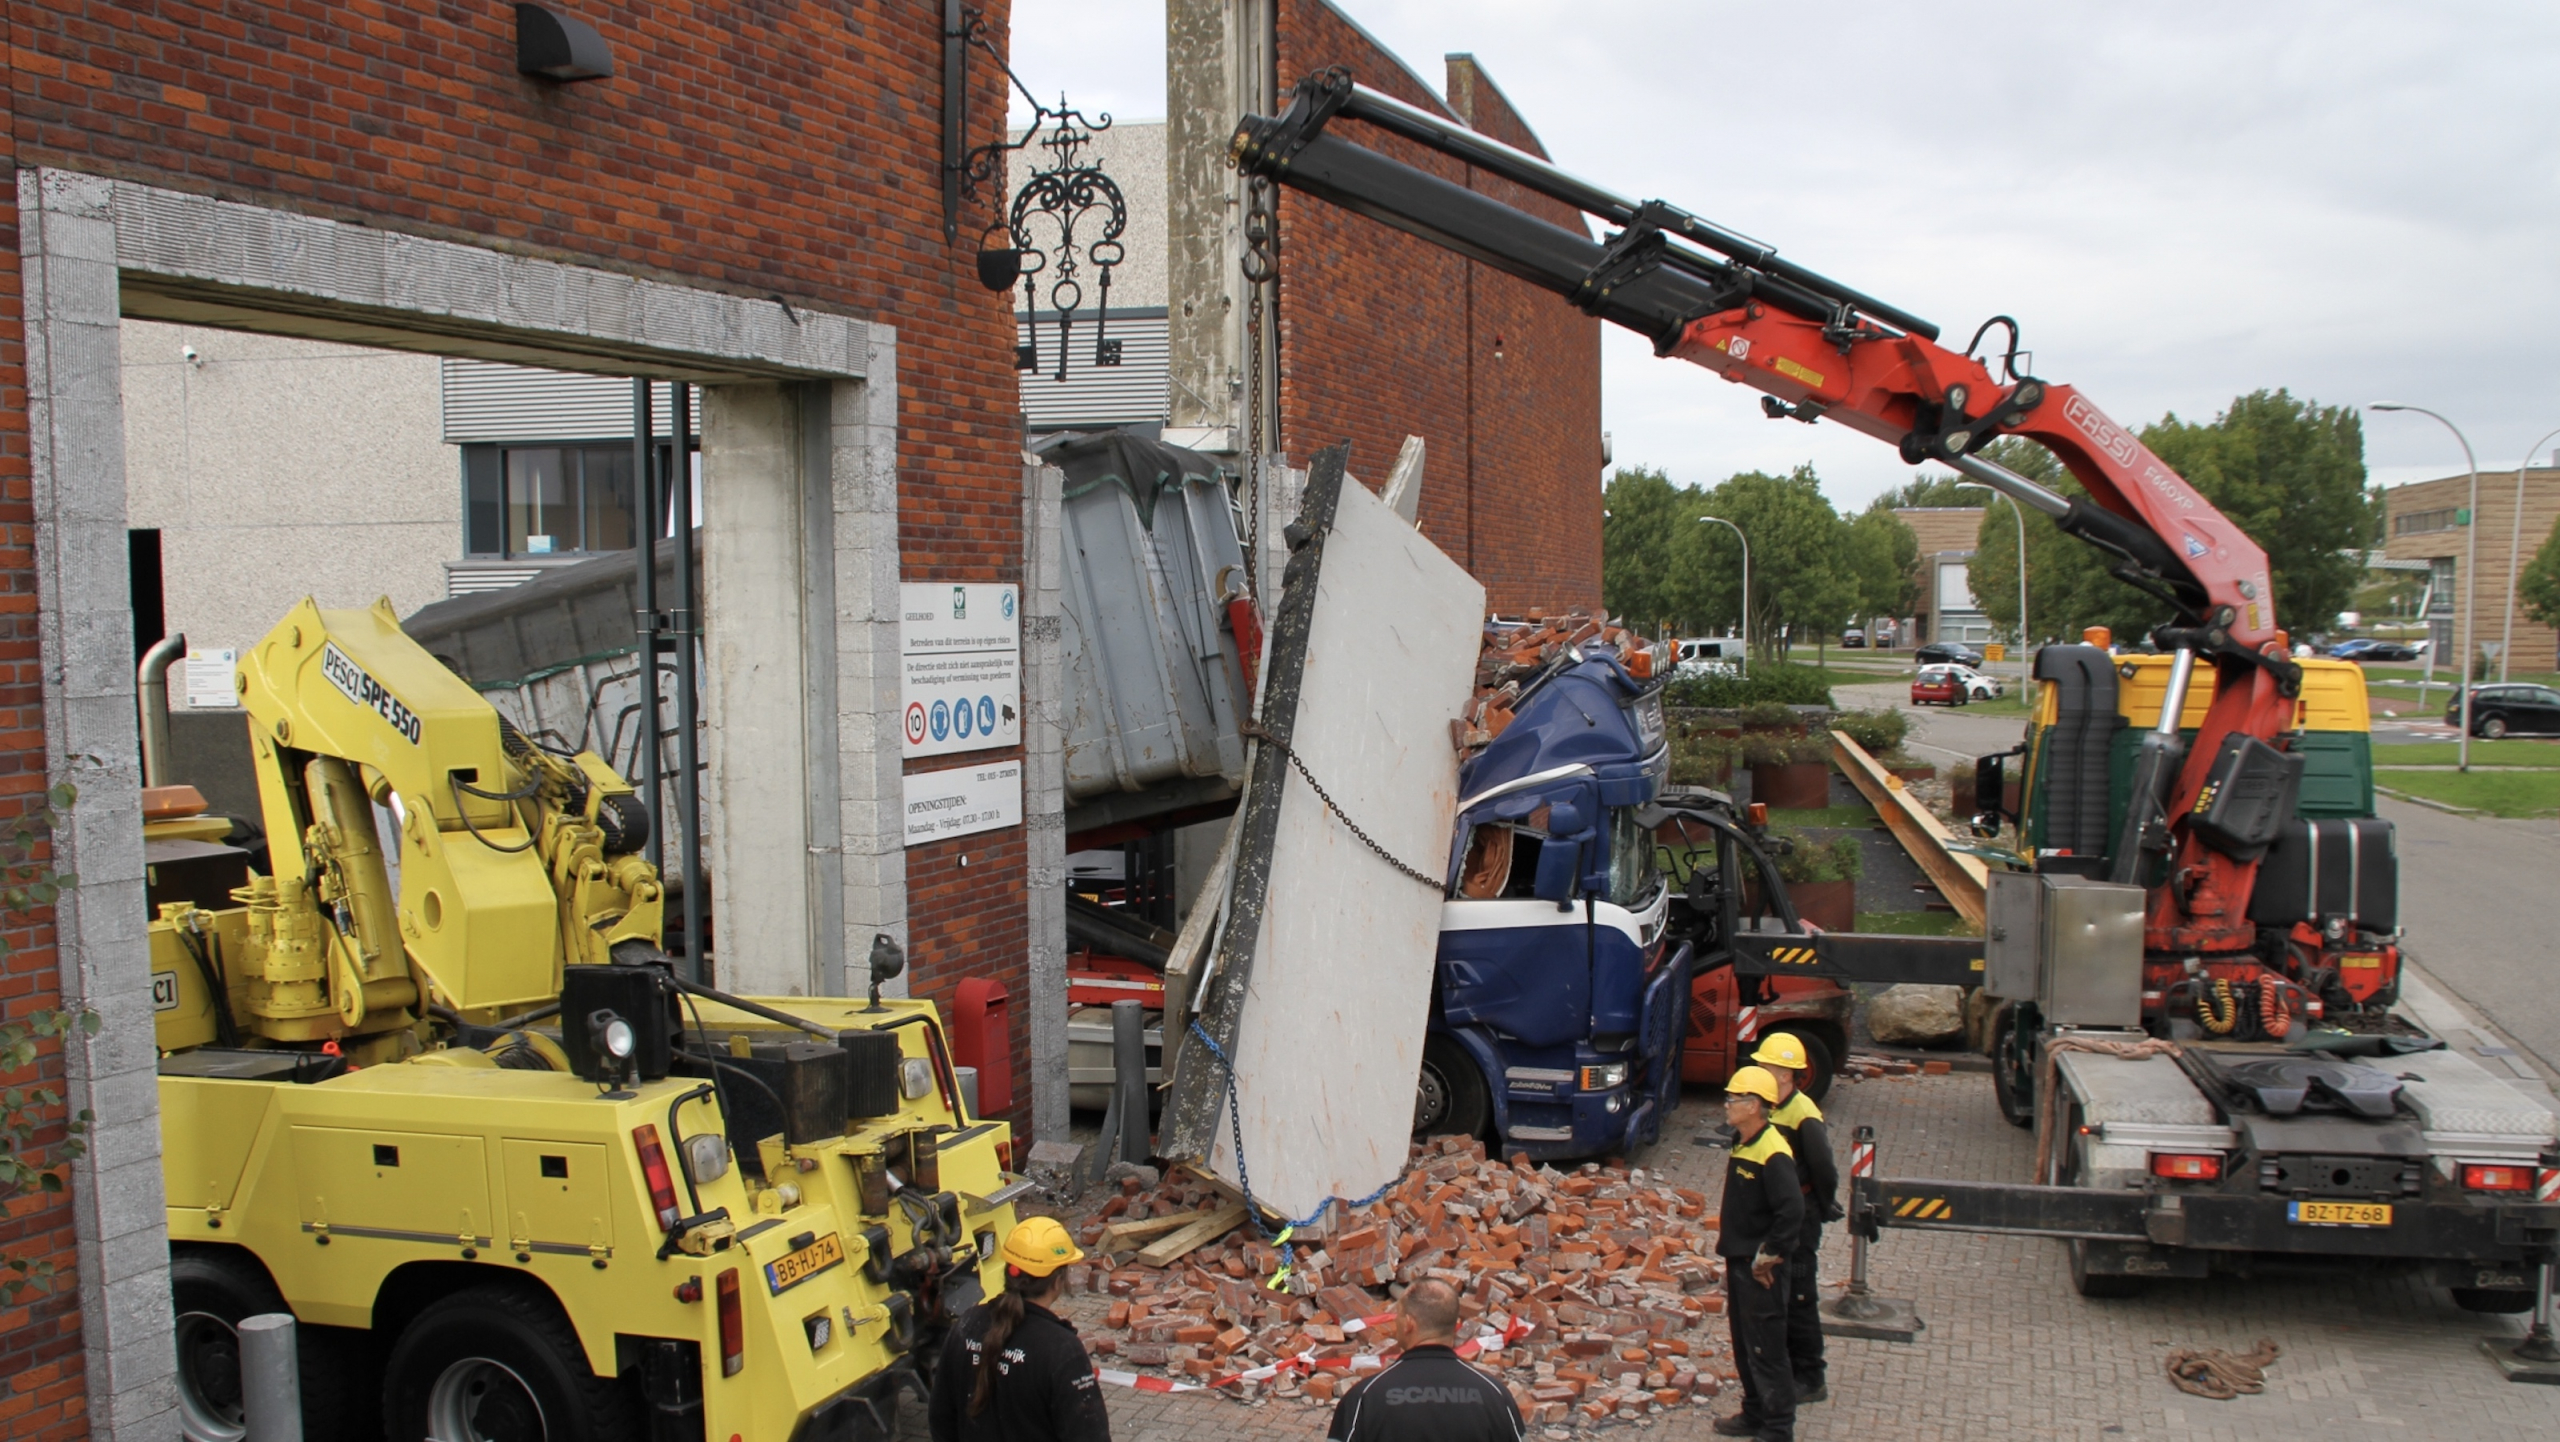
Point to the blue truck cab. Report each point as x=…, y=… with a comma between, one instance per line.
x=1558, y=1003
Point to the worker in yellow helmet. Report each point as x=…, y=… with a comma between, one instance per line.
x=1762, y=1213
x=1012, y=1370
x=1783, y=1055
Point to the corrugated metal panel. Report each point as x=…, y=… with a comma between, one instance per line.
x=486, y=401
x=1130, y=393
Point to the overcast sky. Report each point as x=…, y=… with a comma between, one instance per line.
x=2180, y=202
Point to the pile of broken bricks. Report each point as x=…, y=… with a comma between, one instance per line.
x=1595, y=1294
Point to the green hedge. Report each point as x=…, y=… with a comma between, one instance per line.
x=1777, y=684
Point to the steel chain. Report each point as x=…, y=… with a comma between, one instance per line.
x=1262, y=735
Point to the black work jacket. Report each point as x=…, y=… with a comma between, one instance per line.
x=1427, y=1395
x=1045, y=1388
x=1763, y=1202
x=1809, y=1137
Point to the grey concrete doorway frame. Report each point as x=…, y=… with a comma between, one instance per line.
x=95, y=250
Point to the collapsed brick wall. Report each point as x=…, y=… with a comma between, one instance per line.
x=1384, y=335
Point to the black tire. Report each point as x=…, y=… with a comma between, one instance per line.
x=2012, y=1085
x=2099, y=1286
x=213, y=1290
x=498, y=1364
x=1450, y=1098
x=2493, y=727
x=2497, y=1301
x=1820, y=1067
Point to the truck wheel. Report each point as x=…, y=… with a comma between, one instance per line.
x=214, y=1293
x=2496, y=1300
x=2010, y=1082
x=1451, y=1096
x=1817, y=1052
x=494, y=1364
x=2099, y=1286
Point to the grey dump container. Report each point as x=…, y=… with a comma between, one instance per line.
x=1153, y=686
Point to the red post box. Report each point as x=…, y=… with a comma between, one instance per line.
x=981, y=1037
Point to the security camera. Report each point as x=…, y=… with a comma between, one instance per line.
x=188, y=352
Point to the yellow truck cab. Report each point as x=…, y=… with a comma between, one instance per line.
x=512, y=1176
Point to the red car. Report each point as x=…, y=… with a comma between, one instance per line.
x=1937, y=686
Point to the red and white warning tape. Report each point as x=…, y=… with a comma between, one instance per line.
x=1746, y=1023
x=2546, y=1185
x=1862, y=1160
x=1308, y=1362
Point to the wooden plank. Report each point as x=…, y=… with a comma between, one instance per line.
x=1121, y=1236
x=1199, y=1234
x=1959, y=877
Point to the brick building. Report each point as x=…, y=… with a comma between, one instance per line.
x=1948, y=611
x=1381, y=335
x=752, y=202
x=2426, y=524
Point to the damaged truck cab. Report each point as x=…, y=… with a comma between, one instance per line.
x=1559, y=1000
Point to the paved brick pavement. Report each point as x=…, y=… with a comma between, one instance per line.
x=2011, y=1352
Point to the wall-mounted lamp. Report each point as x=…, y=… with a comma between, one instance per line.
x=556, y=46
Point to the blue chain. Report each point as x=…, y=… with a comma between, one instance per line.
x=1244, y=1178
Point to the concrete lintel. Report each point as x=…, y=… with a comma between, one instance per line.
x=1044, y=803
x=192, y=258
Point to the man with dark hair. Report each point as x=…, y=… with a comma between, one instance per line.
x=1427, y=1394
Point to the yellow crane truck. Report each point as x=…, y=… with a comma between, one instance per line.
x=428, y=1083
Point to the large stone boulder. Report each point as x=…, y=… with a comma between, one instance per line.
x=1912, y=1015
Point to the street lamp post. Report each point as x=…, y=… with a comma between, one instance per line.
x=2026, y=684
x=1746, y=581
x=2515, y=540
x=2470, y=573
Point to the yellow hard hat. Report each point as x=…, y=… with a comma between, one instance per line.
x=1782, y=1048
x=1039, y=1246
x=1751, y=1081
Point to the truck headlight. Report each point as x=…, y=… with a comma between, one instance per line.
x=1604, y=1077
x=915, y=1078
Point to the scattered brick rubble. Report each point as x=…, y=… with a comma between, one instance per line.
x=1615, y=1273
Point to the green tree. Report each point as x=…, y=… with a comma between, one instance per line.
x=1884, y=557
x=1801, y=582
x=1928, y=488
x=1643, y=533
x=2291, y=474
x=2538, y=585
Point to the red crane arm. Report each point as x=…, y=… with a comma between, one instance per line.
x=1892, y=386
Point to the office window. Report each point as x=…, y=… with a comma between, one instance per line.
x=547, y=500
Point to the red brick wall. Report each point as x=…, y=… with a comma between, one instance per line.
x=790, y=147
x=1383, y=335
x=45, y=1393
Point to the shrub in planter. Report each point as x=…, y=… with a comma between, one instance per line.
x=1878, y=733
x=1788, y=772
x=1768, y=681
x=1702, y=757
x=1822, y=880
x=1770, y=716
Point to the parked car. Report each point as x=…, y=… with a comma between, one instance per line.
x=1853, y=639
x=1710, y=656
x=2508, y=711
x=1952, y=685
x=1945, y=653
x=2388, y=651
x=2352, y=647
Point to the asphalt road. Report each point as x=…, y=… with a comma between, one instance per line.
x=2480, y=901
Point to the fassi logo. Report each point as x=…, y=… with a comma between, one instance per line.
x=2106, y=435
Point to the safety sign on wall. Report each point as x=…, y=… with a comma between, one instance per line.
x=962, y=800
x=960, y=661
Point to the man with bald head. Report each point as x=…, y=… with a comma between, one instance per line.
x=1428, y=1394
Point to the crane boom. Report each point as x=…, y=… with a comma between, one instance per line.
x=1817, y=350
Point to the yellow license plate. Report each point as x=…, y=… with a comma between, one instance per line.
x=2338, y=1214
x=784, y=1273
